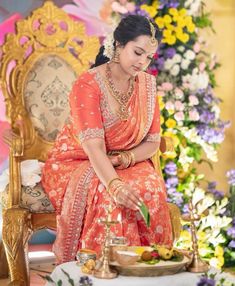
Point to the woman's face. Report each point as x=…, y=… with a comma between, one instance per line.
x=136, y=55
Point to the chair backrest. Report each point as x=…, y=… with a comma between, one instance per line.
x=38, y=67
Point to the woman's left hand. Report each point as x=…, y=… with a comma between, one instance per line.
x=114, y=159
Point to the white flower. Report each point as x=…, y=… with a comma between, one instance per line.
x=184, y=159
x=176, y=59
x=189, y=55
x=181, y=49
x=192, y=6
x=109, y=46
x=197, y=80
x=4, y=180
x=184, y=64
x=175, y=70
x=168, y=64
x=198, y=195
x=216, y=111
x=191, y=134
x=30, y=174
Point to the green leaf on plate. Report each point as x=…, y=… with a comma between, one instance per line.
x=145, y=214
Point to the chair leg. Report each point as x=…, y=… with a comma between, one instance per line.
x=3, y=262
x=15, y=235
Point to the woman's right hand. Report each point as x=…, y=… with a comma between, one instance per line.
x=127, y=197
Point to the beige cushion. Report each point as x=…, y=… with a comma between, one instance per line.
x=33, y=199
x=46, y=95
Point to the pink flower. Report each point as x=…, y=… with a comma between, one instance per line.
x=179, y=116
x=194, y=115
x=169, y=105
x=179, y=93
x=179, y=105
x=167, y=86
x=197, y=48
x=202, y=66
x=193, y=100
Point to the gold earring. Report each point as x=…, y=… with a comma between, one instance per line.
x=116, y=56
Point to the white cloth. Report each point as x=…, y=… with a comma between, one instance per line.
x=179, y=279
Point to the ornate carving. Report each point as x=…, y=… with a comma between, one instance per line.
x=48, y=31
x=16, y=231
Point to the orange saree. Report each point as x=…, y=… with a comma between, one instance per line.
x=74, y=189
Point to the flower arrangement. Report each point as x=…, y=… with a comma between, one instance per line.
x=190, y=115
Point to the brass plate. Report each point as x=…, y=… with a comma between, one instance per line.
x=145, y=270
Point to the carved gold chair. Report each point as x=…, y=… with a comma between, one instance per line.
x=38, y=67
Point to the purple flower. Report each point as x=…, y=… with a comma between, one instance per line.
x=212, y=189
x=171, y=168
x=168, y=4
x=207, y=117
x=231, y=231
x=231, y=244
x=169, y=53
x=205, y=281
x=185, y=209
x=160, y=63
x=172, y=182
x=231, y=177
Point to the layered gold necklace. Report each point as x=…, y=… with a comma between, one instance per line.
x=121, y=97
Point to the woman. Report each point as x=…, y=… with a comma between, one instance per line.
x=102, y=156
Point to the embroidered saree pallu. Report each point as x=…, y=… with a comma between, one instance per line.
x=77, y=194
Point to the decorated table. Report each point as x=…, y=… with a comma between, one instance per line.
x=180, y=279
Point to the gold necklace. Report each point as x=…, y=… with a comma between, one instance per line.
x=121, y=97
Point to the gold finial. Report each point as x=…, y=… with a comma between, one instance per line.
x=153, y=39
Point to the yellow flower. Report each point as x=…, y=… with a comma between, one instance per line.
x=152, y=11
x=169, y=155
x=167, y=19
x=201, y=235
x=188, y=20
x=183, y=37
x=170, y=27
x=162, y=119
x=191, y=28
x=167, y=33
x=170, y=123
x=219, y=251
x=161, y=102
x=171, y=40
x=173, y=136
x=182, y=12
x=173, y=11
x=181, y=22
x=160, y=22
x=155, y=4
x=217, y=262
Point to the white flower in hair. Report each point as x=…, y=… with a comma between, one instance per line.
x=109, y=46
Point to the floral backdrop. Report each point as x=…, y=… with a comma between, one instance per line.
x=185, y=75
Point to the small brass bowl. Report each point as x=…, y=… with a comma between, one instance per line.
x=84, y=254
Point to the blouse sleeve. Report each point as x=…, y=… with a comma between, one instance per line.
x=153, y=134
x=85, y=110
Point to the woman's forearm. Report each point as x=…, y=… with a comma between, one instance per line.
x=102, y=165
x=145, y=150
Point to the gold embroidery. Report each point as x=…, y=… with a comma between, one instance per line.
x=90, y=133
x=152, y=137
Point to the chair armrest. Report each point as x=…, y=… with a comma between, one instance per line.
x=166, y=144
x=16, y=144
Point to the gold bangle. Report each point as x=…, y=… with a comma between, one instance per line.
x=111, y=181
x=132, y=158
